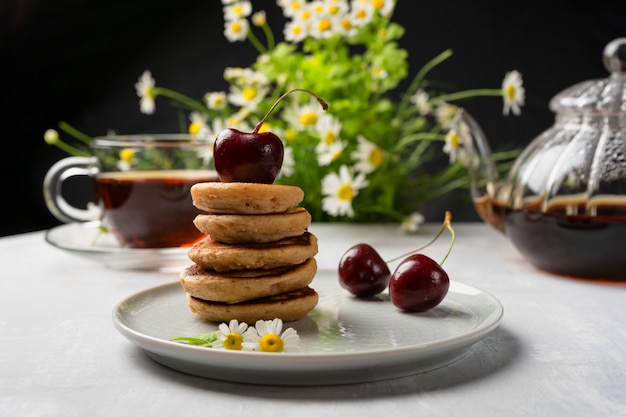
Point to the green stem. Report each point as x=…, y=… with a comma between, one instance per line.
x=256, y=42
x=419, y=77
x=460, y=95
x=71, y=130
x=70, y=149
x=269, y=35
x=188, y=101
x=408, y=139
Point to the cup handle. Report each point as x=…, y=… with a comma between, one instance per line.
x=52, y=189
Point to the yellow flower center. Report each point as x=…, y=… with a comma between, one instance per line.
x=323, y=25
x=295, y=5
x=378, y=4
x=233, y=341
x=308, y=118
x=194, y=128
x=345, y=192
x=346, y=24
x=510, y=91
x=361, y=14
x=296, y=30
x=376, y=157
x=249, y=93
x=291, y=134
x=329, y=138
x=333, y=9
x=271, y=343
x=235, y=27
x=127, y=154
x=238, y=10
x=455, y=139
x=305, y=15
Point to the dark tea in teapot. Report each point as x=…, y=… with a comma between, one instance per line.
x=558, y=241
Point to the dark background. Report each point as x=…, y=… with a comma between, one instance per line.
x=78, y=61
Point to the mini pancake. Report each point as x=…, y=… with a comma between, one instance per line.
x=254, y=228
x=245, y=197
x=221, y=257
x=238, y=286
x=289, y=306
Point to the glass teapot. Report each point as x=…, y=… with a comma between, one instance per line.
x=563, y=203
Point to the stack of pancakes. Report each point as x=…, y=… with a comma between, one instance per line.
x=258, y=258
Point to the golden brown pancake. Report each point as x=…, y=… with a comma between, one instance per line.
x=245, y=197
x=238, y=286
x=254, y=228
x=289, y=306
x=221, y=257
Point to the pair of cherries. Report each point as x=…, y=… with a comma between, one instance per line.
x=418, y=283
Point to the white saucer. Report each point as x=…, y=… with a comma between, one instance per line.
x=343, y=340
x=87, y=241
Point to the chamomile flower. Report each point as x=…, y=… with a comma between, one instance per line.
x=445, y=114
x=323, y=26
x=328, y=128
x=144, y=88
x=259, y=18
x=457, y=141
x=231, y=336
x=197, y=125
x=336, y=8
x=236, y=30
x=127, y=156
x=295, y=31
x=345, y=26
x=292, y=7
x=237, y=10
x=412, y=222
x=304, y=117
x=236, y=121
x=216, y=100
x=421, y=101
x=340, y=189
x=326, y=154
x=361, y=14
x=383, y=7
x=247, y=97
x=242, y=77
x=514, y=93
x=268, y=336
x=368, y=156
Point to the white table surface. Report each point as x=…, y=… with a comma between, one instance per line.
x=560, y=349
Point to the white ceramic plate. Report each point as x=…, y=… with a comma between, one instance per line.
x=343, y=340
x=85, y=240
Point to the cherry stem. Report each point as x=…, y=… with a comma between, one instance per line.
x=445, y=225
x=448, y=225
x=318, y=98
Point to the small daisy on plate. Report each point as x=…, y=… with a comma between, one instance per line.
x=232, y=336
x=266, y=336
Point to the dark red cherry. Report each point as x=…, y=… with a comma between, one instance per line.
x=248, y=157
x=363, y=272
x=252, y=157
x=418, y=284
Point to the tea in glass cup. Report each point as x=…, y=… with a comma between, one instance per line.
x=142, y=187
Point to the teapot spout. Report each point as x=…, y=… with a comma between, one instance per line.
x=476, y=155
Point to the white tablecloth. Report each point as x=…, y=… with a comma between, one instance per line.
x=560, y=349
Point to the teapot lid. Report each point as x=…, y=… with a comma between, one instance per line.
x=602, y=96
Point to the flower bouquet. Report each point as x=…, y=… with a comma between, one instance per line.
x=369, y=158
